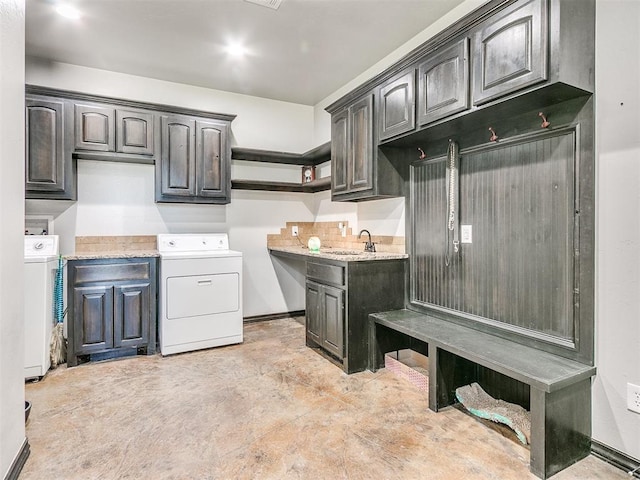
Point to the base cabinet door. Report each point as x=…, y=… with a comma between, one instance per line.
x=313, y=313
x=93, y=322
x=130, y=316
x=333, y=316
x=325, y=317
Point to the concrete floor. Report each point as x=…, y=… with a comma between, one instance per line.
x=269, y=408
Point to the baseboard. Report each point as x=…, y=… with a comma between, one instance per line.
x=19, y=461
x=273, y=316
x=616, y=458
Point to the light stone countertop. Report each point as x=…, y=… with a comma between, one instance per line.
x=112, y=254
x=345, y=255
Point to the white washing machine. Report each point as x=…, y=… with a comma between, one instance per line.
x=40, y=265
x=200, y=292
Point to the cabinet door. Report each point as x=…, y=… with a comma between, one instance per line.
x=360, y=159
x=178, y=163
x=131, y=315
x=333, y=315
x=510, y=51
x=443, y=87
x=313, y=312
x=93, y=319
x=94, y=128
x=339, y=151
x=45, y=162
x=134, y=132
x=212, y=166
x=396, y=106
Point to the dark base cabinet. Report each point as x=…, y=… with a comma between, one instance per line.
x=339, y=298
x=112, y=308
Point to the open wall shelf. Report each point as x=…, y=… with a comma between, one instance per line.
x=313, y=157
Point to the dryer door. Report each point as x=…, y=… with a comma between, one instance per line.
x=197, y=295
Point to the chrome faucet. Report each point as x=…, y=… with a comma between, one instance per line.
x=368, y=246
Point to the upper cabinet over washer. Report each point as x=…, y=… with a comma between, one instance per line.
x=192, y=166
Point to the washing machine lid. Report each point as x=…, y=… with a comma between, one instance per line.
x=195, y=245
x=40, y=247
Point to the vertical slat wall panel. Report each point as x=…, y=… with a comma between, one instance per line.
x=519, y=200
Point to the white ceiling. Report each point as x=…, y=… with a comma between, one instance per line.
x=300, y=53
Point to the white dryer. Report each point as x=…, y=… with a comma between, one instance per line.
x=200, y=292
x=40, y=265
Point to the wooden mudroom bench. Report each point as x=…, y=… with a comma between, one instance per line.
x=559, y=388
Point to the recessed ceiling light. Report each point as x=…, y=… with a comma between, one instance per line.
x=68, y=11
x=236, y=49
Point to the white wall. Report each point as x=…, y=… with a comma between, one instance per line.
x=12, y=432
x=618, y=227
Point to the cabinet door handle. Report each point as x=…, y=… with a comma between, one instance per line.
x=204, y=282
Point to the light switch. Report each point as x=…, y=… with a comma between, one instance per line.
x=466, y=234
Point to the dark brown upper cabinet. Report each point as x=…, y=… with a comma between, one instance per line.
x=134, y=132
x=103, y=128
x=49, y=169
x=339, y=151
x=443, y=83
x=178, y=157
x=359, y=169
x=352, y=159
x=194, y=161
x=505, y=58
x=94, y=128
x=213, y=175
x=396, y=106
x=510, y=51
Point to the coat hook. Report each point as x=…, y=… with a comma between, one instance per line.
x=545, y=124
x=494, y=137
x=422, y=154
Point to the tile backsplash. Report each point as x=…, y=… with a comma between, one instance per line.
x=120, y=243
x=331, y=236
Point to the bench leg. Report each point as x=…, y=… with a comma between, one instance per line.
x=383, y=340
x=560, y=428
x=446, y=373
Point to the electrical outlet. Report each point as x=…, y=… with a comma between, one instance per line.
x=633, y=397
x=294, y=230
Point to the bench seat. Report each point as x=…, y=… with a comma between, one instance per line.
x=559, y=388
